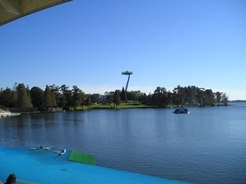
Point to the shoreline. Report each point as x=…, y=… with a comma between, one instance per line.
x=122, y=106
x=8, y=114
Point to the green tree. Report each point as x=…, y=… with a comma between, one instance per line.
x=8, y=98
x=67, y=97
x=133, y=95
x=53, y=99
x=48, y=102
x=116, y=98
x=190, y=95
x=77, y=97
x=169, y=98
x=88, y=100
x=208, y=97
x=95, y=98
x=37, y=96
x=180, y=95
x=123, y=95
x=56, y=94
x=23, y=98
x=224, y=99
x=143, y=99
x=200, y=97
x=160, y=97
x=218, y=96
x=109, y=97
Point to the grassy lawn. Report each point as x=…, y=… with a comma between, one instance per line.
x=112, y=106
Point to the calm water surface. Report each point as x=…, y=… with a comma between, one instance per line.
x=206, y=146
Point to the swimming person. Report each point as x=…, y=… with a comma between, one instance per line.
x=11, y=179
x=37, y=148
x=47, y=148
x=42, y=148
x=62, y=152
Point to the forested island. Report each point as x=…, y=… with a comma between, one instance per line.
x=64, y=98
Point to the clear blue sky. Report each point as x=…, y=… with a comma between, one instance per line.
x=165, y=43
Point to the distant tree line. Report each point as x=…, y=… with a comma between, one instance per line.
x=184, y=96
x=178, y=97
x=63, y=97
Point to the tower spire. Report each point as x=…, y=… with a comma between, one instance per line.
x=128, y=73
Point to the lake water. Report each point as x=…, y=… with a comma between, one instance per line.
x=206, y=146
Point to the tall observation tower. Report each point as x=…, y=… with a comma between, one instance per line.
x=129, y=75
